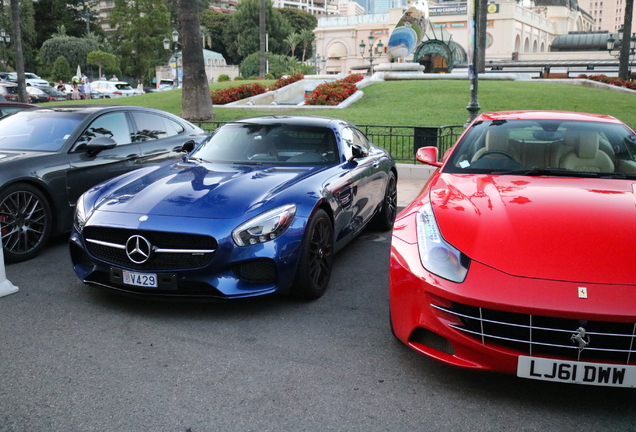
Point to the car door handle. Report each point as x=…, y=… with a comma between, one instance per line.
x=132, y=157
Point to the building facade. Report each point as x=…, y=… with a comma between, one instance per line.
x=513, y=32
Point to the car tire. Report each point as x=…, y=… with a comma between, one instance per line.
x=316, y=258
x=385, y=218
x=25, y=220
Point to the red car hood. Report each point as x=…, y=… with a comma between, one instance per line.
x=569, y=229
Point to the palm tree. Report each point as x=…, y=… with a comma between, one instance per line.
x=623, y=63
x=196, y=102
x=306, y=38
x=293, y=40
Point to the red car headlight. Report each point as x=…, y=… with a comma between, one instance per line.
x=436, y=255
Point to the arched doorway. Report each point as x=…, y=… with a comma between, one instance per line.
x=439, y=56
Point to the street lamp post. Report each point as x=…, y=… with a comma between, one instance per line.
x=175, y=47
x=5, y=39
x=363, y=46
x=614, y=46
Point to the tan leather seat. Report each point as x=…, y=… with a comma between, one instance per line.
x=586, y=155
x=497, y=139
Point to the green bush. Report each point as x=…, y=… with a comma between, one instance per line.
x=61, y=70
x=223, y=78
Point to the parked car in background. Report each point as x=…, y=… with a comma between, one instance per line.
x=8, y=107
x=12, y=92
x=259, y=207
x=113, y=89
x=6, y=93
x=517, y=256
x=45, y=94
x=30, y=79
x=50, y=156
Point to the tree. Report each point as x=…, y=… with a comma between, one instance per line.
x=293, y=40
x=61, y=69
x=306, y=38
x=17, y=43
x=215, y=24
x=196, y=101
x=623, y=65
x=75, y=50
x=51, y=14
x=299, y=20
x=101, y=59
x=141, y=27
x=242, y=36
x=279, y=65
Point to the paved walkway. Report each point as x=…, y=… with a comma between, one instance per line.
x=411, y=180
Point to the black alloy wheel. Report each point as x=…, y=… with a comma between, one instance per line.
x=385, y=218
x=25, y=221
x=315, y=262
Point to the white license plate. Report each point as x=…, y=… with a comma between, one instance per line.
x=600, y=374
x=148, y=280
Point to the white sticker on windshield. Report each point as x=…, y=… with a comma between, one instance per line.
x=66, y=136
x=464, y=164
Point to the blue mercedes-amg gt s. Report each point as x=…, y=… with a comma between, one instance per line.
x=260, y=206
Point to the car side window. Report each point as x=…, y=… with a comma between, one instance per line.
x=351, y=136
x=153, y=126
x=347, y=142
x=360, y=139
x=112, y=125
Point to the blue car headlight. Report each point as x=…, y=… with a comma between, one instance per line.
x=81, y=214
x=264, y=227
x=436, y=254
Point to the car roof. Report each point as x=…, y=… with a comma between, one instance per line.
x=296, y=120
x=546, y=115
x=18, y=104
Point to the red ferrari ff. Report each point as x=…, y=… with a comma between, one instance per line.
x=518, y=255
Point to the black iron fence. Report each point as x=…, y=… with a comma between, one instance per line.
x=401, y=141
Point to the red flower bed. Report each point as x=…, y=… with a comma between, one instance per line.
x=335, y=92
x=232, y=94
x=282, y=82
x=353, y=78
x=610, y=80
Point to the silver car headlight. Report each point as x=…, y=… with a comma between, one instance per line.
x=81, y=214
x=264, y=227
x=436, y=254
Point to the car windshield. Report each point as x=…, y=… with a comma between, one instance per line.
x=546, y=147
x=37, y=130
x=277, y=144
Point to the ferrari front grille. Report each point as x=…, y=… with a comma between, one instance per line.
x=171, y=251
x=581, y=340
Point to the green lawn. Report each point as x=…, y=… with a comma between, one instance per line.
x=432, y=102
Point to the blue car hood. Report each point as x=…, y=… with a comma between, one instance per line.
x=202, y=190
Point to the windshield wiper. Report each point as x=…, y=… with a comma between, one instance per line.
x=557, y=172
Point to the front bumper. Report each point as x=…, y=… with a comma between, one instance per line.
x=492, y=318
x=232, y=272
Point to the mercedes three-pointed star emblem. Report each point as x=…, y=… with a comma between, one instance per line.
x=138, y=249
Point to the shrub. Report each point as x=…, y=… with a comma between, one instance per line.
x=224, y=78
x=331, y=93
x=284, y=81
x=611, y=80
x=61, y=70
x=232, y=94
x=353, y=78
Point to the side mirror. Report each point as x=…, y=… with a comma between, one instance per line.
x=99, y=144
x=358, y=152
x=428, y=156
x=188, y=146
